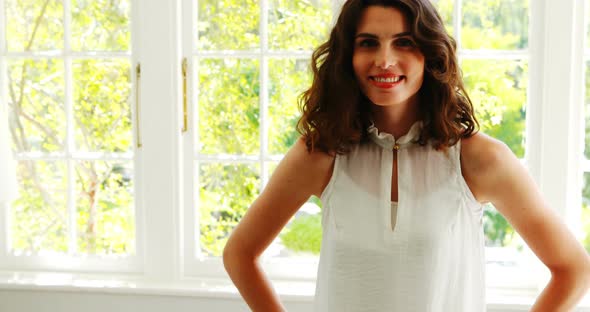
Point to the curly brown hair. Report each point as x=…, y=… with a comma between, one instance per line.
x=336, y=114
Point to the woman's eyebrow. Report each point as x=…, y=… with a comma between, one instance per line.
x=373, y=36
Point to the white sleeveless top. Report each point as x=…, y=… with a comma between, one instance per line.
x=433, y=258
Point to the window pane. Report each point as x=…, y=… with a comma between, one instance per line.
x=298, y=25
x=100, y=25
x=38, y=217
x=35, y=94
x=498, y=91
x=495, y=24
x=288, y=79
x=35, y=25
x=227, y=25
x=47, y=128
x=225, y=191
x=104, y=201
x=228, y=106
x=445, y=9
x=101, y=105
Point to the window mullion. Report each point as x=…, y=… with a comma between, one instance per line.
x=561, y=114
x=159, y=54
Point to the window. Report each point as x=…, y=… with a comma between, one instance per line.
x=248, y=75
x=66, y=69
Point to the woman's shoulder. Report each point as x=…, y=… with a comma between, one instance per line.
x=481, y=149
x=313, y=168
x=482, y=155
x=301, y=149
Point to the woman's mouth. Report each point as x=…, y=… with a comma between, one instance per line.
x=386, y=82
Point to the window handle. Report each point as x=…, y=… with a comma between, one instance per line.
x=184, y=96
x=137, y=104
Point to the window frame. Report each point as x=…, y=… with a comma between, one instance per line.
x=64, y=262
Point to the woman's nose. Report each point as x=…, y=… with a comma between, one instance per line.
x=385, y=58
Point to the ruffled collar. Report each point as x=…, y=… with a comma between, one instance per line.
x=388, y=141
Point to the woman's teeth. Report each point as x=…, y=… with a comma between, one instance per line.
x=388, y=80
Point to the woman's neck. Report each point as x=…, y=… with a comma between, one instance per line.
x=395, y=120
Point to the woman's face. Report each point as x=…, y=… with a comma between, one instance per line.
x=387, y=64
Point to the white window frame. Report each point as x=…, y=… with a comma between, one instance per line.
x=61, y=262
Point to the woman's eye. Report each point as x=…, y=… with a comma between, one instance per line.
x=405, y=42
x=367, y=43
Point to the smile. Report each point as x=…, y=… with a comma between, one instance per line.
x=386, y=82
x=389, y=79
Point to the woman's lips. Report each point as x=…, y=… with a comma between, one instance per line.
x=386, y=82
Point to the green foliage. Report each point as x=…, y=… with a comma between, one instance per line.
x=228, y=25
x=288, y=79
x=304, y=234
x=226, y=191
x=34, y=25
x=36, y=104
x=229, y=110
x=498, y=92
x=298, y=25
x=100, y=25
x=229, y=100
x=33, y=227
x=498, y=231
x=445, y=10
x=101, y=107
x=104, y=202
x=495, y=24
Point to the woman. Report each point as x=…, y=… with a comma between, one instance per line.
x=389, y=144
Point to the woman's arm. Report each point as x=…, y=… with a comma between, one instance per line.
x=298, y=176
x=495, y=175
